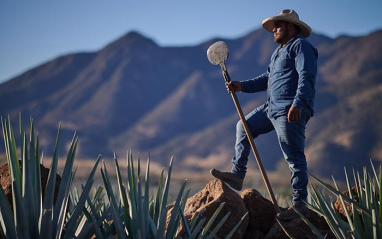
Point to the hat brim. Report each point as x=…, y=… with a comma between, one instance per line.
x=268, y=24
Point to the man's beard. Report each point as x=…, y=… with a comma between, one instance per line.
x=280, y=37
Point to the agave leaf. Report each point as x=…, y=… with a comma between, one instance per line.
x=236, y=227
x=375, y=218
x=327, y=213
x=284, y=229
x=21, y=220
x=34, y=172
x=46, y=225
x=218, y=226
x=212, y=219
x=367, y=222
x=71, y=224
x=193, y=220
x=182, y=205
x=20, y=216
x=185, y=224
x=197, y=229
x=311, y=226
x=167, y=186
x=63, y=212
x=28, y=197
x=65, y=184
x=172, y=225
x=162, y=224
x=14, y=160
x=347, y=213
x=335, y=184
x=132, y=197
x=360, y=191
x=158, y=199
x=359, y=230
x=6, y=216
x=6, y=142
x=152, y=226
x=139, y=164
x=22, y=135
x=367, y=188
x=375, y=173
x=81, y=221
x=113, y=204
x=181, y=214
x=348, y=185
x=335, y=192
x=89, y=221
x=93, y=223
x=131, y=176
x=38, y=180
x=146, y=203
x=141, y=213
x=123, y=196
x=96, y=205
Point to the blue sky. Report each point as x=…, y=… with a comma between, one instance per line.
x=34, y=32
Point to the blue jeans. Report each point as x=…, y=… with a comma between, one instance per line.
x=291, y=137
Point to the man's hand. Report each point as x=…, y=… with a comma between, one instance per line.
x=233, y=86
x=294, y=114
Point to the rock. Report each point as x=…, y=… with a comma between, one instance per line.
x=261, y=211
x=339, y=206
x=207, y=201
x=5, y=181
x=299, y=229
x=260, y=222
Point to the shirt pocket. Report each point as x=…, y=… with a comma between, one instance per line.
x=283, y=63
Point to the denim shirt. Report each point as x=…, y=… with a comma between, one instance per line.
x=290, y=78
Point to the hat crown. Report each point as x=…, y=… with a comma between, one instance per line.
x=289, y=13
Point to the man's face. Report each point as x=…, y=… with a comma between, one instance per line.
x=281, y=32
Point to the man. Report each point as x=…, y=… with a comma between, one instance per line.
x=290, y=84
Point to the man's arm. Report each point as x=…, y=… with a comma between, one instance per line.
x=306, y=67
x=257, y=84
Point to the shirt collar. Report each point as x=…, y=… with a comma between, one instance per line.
x=291, y=40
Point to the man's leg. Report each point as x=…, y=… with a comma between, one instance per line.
x=291, y=137
x=258, y=123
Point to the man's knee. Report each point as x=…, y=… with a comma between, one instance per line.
x=240, y=127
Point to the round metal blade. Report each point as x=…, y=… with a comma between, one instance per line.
x=217, y=52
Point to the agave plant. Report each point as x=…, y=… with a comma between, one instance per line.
x=35, y=215
x=136, y=215
x=364, y=221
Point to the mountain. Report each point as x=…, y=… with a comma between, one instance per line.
x=170, y=101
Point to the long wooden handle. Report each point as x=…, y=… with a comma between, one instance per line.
x=251, y=142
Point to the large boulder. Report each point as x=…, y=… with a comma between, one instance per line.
x=261, y=222
x=208, y=200
x=6, y=183
x=261, y=211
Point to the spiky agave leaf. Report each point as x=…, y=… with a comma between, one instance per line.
x=230, y=234
x=113, y=204
x=6, y=216
x=70, y=227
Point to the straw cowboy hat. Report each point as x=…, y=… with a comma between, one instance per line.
x=287, y=15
